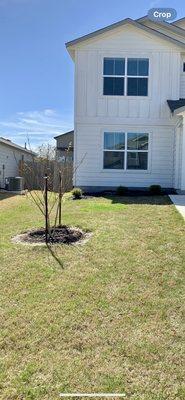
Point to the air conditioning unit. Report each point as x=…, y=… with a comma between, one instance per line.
x=14, y=184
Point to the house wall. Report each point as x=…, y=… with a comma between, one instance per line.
x=95, y=113
x=10, y=157
x=91, y=172
x=177, y=155
x=64, y=140
x=182, y=78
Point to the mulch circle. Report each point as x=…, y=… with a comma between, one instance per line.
x=60, y=235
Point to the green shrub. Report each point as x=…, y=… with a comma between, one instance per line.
x=121, y=190
x=155, y=189
x=77, y=193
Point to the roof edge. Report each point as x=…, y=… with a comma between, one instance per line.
x=99, y=31
x=65, y=133
x=121, y=23
x=165, y=24
x=175, y=105
x=16, y=146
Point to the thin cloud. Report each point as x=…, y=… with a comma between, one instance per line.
x=39, y=126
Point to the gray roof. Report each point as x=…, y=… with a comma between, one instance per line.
x=65, y=133
x=178, y=20
x=172, y=27
x=8, y=142
x=175, y=104
x=122, y=23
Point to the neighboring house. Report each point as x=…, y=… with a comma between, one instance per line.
x=65, y=146
x=12, y=158
x=130, y=105
x=64, y=158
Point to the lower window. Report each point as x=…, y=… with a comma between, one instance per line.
x=125, y=150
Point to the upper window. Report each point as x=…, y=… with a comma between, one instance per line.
x=125, y=150
x=123, y=77
x=184, y=67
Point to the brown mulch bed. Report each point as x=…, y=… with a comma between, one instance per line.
x=61, y=234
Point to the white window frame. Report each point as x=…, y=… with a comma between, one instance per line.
x=126, y=76
x=126, y=150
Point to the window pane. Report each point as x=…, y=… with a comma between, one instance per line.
x=114, y=140
x=137, y=66
x=119, y=66
x=137, y=160
x=132, y=87
x=137, y=87
x=143, y=67
x=108, y=68
x=108, y=86
x=118, y=86
x=142, y=86
x=109, y=141
x=114, y=159
x=114, y=66
x=113, y=86
x=119, y=140
x=137, y=141
x=132, y=66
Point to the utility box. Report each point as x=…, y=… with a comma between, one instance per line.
x=14, y=184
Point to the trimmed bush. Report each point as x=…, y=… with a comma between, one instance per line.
x=77, y=193
x=155, y=189
x=121, y=190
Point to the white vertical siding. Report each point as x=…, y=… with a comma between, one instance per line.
x=182, y=78
x=161, y=158
x=177, y=156
x=95, y=113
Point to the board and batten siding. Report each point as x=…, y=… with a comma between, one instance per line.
x=177, y=156
x=95, y=113
x=182, y=78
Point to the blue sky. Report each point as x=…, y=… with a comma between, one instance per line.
x=36, y=72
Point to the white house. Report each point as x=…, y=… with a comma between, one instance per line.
x=11, y=157
x=129, y=125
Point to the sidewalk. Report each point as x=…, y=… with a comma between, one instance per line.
x=179, y=202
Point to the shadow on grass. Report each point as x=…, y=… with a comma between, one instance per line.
x=135, y=199
x=4, y=195
x=52, y=251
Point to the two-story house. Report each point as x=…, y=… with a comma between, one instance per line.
x=129, y=124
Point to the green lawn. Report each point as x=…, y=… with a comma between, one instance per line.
x=110, y=319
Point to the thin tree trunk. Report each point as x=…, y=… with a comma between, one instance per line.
x=46, y=208
x=60, y=200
